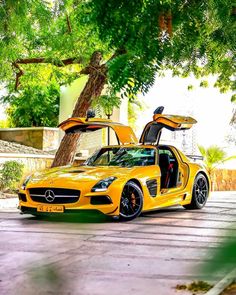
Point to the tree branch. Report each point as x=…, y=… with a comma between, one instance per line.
x=43, y=60
x=68, y=24
x=40, y=60
x=165, y=22
x=18, y=75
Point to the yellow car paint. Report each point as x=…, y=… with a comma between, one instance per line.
x=84, y=178
x=124, y=133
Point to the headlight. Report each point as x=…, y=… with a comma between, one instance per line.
x=25, y=182
x=103, y=184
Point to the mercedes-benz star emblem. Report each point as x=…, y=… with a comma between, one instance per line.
x=49, y=196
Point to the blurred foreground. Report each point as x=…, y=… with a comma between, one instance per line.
x=94, y=255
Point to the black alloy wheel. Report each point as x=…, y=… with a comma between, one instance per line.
x=131, y=202
x=200, y=193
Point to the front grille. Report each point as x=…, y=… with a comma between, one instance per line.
x=54, y=195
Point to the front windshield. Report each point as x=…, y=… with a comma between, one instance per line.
x=122, y=156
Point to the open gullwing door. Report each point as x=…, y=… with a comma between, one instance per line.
x=152, y=131
x=125, y=134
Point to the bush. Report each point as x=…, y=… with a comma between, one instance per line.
x=11, y=174
x=33, y=106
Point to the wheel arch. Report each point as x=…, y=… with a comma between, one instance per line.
x=136, y=181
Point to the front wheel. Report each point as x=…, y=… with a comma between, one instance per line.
x=200, y=193
x=131, y=202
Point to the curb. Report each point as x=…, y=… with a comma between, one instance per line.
x=224, y=283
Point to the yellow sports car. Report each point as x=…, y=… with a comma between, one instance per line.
x=120, y=180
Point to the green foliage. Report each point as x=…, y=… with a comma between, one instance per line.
x=233, y=98
x=204, y=84
x=190, y=87
x=34, y=106
x=10, y=175
x=53, y=30
x=213, y=156
x=134, y=108
x=106, y=103
x=203, y=40
x=224, y=257
x=22, y=22
x=196, y=286
x=4, y=124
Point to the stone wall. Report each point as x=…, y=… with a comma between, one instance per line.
x=42, y=138
x=89, y=142
x=225, y=180
x=92, y=141
x=33, y=163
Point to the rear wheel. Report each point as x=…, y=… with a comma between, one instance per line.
x=131, y=202
x=200, y=193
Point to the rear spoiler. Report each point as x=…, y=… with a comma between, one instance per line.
x=195, y=157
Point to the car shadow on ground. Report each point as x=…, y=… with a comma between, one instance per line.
x=96, y=217
x=92, y=217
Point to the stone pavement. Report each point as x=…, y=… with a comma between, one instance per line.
x=94, y=256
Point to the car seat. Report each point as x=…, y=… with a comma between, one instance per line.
x=166, y=170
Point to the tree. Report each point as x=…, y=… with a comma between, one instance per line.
x=35, y=105
x=190, y=36
x=213, y=157
x=105, y=104
x=36, y=37
x=123, y=42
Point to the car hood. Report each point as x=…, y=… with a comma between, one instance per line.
x=80, y=173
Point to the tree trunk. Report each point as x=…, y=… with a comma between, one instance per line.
x=93, y=88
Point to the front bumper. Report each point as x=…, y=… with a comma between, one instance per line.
x=34, y=211
x=106, y=203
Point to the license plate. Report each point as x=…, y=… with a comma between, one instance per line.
x=50, y=208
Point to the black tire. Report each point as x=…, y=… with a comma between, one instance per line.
x=200, y=193
x=131, y=202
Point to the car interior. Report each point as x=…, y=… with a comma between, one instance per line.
x=169, y=167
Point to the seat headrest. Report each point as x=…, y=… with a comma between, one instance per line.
x=164, y=160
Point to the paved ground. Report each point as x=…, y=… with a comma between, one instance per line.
x=149, y=255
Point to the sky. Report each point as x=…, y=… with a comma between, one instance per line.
x=208, y=106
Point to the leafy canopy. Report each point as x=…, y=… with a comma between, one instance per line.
x=200, y=39
x=147, y=36
x=52, y=30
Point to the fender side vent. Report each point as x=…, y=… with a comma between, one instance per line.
x=152, y=187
